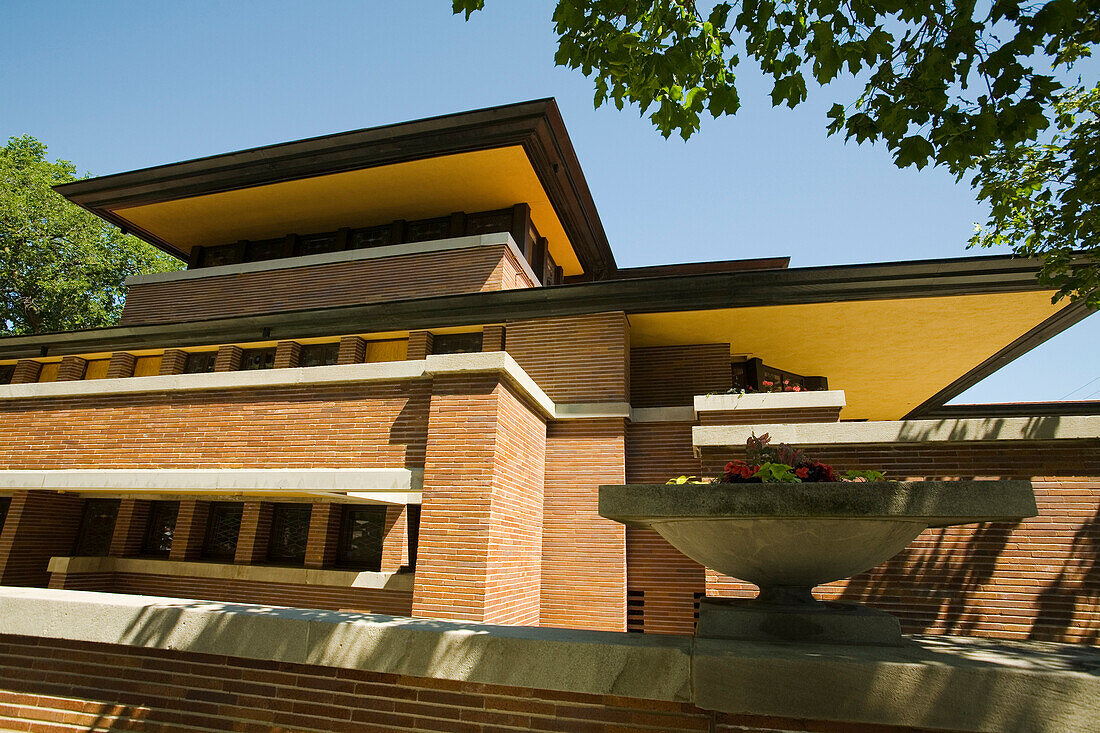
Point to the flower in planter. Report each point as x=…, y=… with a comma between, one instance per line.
x=767, y=463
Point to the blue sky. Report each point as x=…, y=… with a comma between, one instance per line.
x=115, y=86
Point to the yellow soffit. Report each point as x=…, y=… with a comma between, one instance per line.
x=477, y=181
x=888, y=356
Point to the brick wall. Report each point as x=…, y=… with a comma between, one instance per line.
x=480, y=538
x=382, y=425
x=767, y=417
x=664, y=376
x=365, y=600
x=55, y=686
x=575, y=359
x=1037, y=579
x=583, y=554
x=41, y=524
x=470, y=270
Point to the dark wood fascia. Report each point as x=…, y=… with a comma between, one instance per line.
x=900, y=280
x=1060, y=321
x=703, y=268
x=1014, y=409
x=536, y=126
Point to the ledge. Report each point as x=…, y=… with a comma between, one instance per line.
x=934, y=682
x=328, y=258
x=398, y=582
x=902, y=431
x=368, y=485
x=770, y=401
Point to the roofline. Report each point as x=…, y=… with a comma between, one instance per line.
x=1015, y=409
x=535, y=125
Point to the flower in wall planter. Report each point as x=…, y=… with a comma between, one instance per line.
x=766, y=463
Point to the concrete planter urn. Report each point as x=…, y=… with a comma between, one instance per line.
x=788, y=538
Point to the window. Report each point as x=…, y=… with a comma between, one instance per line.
x=161, y=527
x=319, y=355
x=222, y=527
x=361, y=532
x=456, y=343
x=258, y=359
x=7, y=371
x=289, y=532
x=97, y=526
x=5, y=504
x=200, y=362
x=414, y=532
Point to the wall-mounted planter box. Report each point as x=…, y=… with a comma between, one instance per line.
x=788, y=538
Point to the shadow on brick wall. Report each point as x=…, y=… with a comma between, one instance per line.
x=1072, y=600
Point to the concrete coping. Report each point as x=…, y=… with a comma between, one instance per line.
x=399, y=582
x=365, y=485
x=937, y=503
x=931, y=682
x=960, y=430
x=754, y=401
x=495, y=239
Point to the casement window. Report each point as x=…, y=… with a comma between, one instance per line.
x=361, y=531
x=456, y=343
x=160, y=529
x=289, y=533
x=5, y=504
x=319, y=355
x=200, y=362
x=258, y=359
x=97, y=527
x=223, y=525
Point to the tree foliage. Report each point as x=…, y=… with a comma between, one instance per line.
x=971, y=87
x=61, y=267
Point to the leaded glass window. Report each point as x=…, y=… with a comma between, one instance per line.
x=161, y=528
x=289, y=533
x=97, y=526
x=361, y=532
x=223, y=525
x=258, y=359
x=319, y=355
x=456, y=343
x=200, y=362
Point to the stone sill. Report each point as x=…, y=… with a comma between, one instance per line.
x=935, y=682
x=902, y=431
x=371, y=253
x=754, y=401
x=398, y=582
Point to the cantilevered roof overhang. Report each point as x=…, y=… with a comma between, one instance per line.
x=901, y=339
x=472, y=161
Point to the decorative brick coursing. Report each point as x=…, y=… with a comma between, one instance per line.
x=130, y=524
x=663, y=376
x=174, y=361
x=252, y=540
x=492, y=338
x=26, y=371
x=353, y=350
x=228, y=358
x=71, y=369
x=324, y=534
x=420, y=344
x=1033, y=580
x=480, y=545
x=39, y=525
x=317, y=286
x=575, y=359
x=286, y=354
x=381, y=424
x=121, y=366
x=190, y=531
x=583, y=554
x=56, y=686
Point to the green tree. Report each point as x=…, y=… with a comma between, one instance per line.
x=61, y=267
x=978, y=88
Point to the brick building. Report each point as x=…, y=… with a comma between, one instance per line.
x=401, y=361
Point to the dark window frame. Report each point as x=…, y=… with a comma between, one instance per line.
x=350, y=557
x=196, y=359
x=267, y=355
x=285, y=518
x=457, y=343
x=217, y=512
x=330, y=354
x=158, y=512
x=98, y=518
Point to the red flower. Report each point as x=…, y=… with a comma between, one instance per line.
x=802, y=472
x=766, y=383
